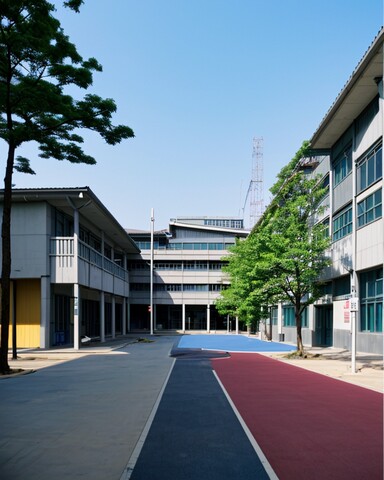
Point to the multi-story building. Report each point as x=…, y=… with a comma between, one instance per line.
x=69, y=274
x=76, y=271
x=187, y=275
x=347, y=148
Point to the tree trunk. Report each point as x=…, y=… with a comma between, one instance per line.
x=6, y=261
x=300, y=346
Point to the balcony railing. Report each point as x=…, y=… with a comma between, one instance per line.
x=63, y=248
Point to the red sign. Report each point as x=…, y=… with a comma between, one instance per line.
x=346, y=312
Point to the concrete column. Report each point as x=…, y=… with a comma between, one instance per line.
x=76, y=316
x=208, y=319
x=45, y=306
x=102, y=317
x=128, y=315
x=113, y=317
x=237, y=325
x=124, y=315
x=280, y=318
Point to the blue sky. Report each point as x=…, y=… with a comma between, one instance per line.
x=197, y=80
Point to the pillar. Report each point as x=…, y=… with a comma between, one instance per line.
x=124, y=316
x=102, y=317
x=183, y=318
x=76, y=317
x=45, y=306
x=113, y=317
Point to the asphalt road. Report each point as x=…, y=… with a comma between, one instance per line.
x=81, y=418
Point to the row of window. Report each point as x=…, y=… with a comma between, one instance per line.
x=368, y=210
x=289, y=316
x=371, y=302
x=186, y=265
x=186, y=246
x=230, y=223
x=369, y=168
x=177, y=287
x=199, y=246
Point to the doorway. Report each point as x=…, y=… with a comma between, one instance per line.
x=324, y=326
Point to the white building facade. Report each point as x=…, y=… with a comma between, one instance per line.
x=187, y=275
x=347, y=148
x=69, y=274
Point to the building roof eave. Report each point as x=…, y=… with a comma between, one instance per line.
x=360, y=89
x=86, y=202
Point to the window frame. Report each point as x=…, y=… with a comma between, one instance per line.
x=342, y=165
x=348, y=226
x=369, y=209
x=363, y=165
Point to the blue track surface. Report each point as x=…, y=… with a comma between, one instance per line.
x=232, y=343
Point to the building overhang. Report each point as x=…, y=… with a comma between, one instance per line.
x=88, y=205
x=207, y=228
x=359, y=91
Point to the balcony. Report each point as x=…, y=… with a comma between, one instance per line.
x=80, y=263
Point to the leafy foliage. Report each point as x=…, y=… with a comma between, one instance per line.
x=283, y=257
x=38, y=65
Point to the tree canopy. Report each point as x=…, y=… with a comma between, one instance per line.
x=284, y=255
x=38, y=67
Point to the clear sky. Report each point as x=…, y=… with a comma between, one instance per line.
x=197, y=80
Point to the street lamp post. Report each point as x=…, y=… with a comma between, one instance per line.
x=151, y=273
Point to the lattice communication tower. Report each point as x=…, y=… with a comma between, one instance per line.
x=256, y=186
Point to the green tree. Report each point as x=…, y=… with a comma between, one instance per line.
x=285, y=254
x=38, y=65
x=240, y=299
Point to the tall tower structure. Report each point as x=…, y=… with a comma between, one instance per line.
x=256, y=187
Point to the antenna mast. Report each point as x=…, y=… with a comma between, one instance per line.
x=255, y=190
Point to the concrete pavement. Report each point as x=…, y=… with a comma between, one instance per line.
x=337, y=363
x=333, y=362
x=83, y=417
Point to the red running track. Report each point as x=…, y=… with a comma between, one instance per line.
x=309, y=426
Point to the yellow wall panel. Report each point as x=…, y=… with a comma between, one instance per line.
x=28, y=298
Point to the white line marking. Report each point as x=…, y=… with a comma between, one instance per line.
x=126, y=475
x=267, y=466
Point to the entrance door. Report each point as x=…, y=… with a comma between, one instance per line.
x=196, y=317
x=62, y=320
x=324, y=326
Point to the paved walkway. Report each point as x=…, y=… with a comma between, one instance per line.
x=307, y=425
x=122, y=405
x=83, y=417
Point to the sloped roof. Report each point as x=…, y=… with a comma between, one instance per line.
x=86, y=202
x=360, y=89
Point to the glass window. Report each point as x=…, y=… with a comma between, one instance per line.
x=342, y=223
x=370, y=168
x=289, y=317
x=343, y=165
x=274, y=315
x=342, y=286
x=371, y=296
x=369, y=209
